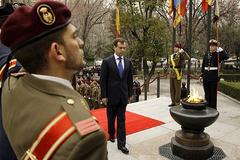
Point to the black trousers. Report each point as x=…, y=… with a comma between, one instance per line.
x=113, y=112
x=210, y=89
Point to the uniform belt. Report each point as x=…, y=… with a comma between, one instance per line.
x=50, y=138
x=211, y=68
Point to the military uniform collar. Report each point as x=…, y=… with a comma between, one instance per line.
x=55, y=79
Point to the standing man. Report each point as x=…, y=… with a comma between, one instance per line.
x=177, y=60
x=210, y=71
x=43, y=116
x=116, y=83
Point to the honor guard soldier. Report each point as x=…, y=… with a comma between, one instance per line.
x=43, y=116
x=210, y=71
x=177, y=60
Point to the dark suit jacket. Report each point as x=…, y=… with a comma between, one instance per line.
x=112, y=86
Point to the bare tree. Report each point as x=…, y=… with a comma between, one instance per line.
x=89, y=15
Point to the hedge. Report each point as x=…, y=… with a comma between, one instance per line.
x=231, y=89
x=231, y=77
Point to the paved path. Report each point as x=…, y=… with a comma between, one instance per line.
x=144, y=145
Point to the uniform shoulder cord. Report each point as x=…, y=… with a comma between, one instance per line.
x=5, y=71
x=179, y=74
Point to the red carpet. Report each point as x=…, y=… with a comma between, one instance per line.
x=134, y=122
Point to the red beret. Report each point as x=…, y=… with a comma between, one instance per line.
x=178, y=45
x=27, y=24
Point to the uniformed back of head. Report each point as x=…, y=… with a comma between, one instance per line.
x=213, y=42
x=29, y=32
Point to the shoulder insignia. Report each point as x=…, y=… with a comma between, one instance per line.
x=87, y=126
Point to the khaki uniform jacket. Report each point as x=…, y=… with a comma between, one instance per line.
x=29, y=103
x=179, y=59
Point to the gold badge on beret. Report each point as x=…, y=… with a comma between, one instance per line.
x=46, y=15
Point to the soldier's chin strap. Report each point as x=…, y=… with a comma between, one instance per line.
x=177, y=71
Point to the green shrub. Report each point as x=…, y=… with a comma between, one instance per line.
x=230, y=71
x=231, y=89
x=231, y=77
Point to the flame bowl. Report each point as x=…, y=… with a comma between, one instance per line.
x=195, y=106
x=194, y=120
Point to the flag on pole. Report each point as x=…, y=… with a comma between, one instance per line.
x=117, y=21
x=205, y=5
x=177, y=19
x=216, y=12
x=175, y=3
x=183, y=7
x=170, y=7
x=210, y=2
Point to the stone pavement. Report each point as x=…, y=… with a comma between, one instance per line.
x=144, y=145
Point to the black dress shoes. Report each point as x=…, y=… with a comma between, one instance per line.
x=171, y=105
x=123, y=149
x=112, y=139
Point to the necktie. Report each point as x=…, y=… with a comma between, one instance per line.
x=120, y=67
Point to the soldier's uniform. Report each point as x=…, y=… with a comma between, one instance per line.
x=177, y=61
x=43, y=116
x=210, y=73
x=27, y=115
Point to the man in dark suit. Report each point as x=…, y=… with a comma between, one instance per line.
x=116, y=91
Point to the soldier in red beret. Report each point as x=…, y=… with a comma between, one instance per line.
x=177, y=60
x=43, y=116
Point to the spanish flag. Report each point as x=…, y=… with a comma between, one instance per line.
x=117, y=21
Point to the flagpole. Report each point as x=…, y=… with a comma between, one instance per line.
x=174, y=31
x=209, y=22
x=117, y=19
x=189, y=44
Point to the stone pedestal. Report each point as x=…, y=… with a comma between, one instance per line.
x=191, y=143
x=191, y=146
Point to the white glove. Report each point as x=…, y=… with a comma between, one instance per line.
x=219, y=49
x=181, y=50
